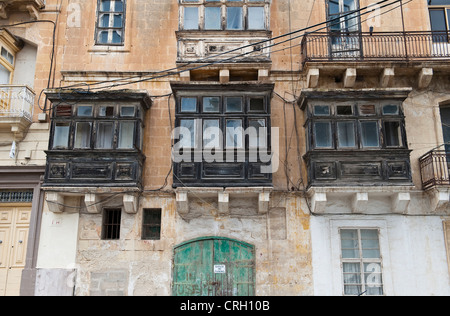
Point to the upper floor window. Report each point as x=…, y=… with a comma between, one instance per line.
x=110, y=22
x=345, y=125
x=224, y=14
x=439, y=18
x=96, y=127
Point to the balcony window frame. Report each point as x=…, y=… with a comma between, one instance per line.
x=215, y=164
x=68, y=115
x=222, y=115
x=223, y=6
x=445, y=9
x=333, y=118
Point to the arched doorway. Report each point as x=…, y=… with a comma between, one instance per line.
x=214, y=266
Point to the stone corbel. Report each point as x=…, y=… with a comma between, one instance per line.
x=263, y=202
x=349, y=78
x=425, y=76
x=386, y=77
x=93, y=206
x=224, y=201
x=318, y=202
x=3, y=13
x=360, y=202
x=400, y=202
x=34, y=13
x=130, y=203
x=55, y=202
x=440, y=200
x=182, y=202
x=312, y=79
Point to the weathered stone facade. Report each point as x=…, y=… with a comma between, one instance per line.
x=293, y=227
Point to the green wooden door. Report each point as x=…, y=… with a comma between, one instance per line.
x=214, y=266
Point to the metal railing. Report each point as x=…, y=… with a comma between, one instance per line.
x=16, y=101
x=385, y=46
x=435, y=168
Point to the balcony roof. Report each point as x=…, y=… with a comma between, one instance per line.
x=31, y=6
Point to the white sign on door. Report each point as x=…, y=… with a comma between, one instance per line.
x=219, y=268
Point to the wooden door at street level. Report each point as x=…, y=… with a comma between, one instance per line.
x=14, y=225
x=214, y=266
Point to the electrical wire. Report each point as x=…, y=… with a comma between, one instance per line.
x=175, y=70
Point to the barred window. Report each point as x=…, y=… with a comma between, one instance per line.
x=110, y=22
x=16, y=196
x=151, y=224
x=111, y=224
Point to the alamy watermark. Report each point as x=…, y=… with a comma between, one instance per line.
x=239, y=145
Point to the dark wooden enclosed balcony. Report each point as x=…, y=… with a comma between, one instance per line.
x=379, y=46
x=435, y=169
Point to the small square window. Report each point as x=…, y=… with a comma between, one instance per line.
x=257, y=105
x=106, y=111
x=151, y=224
x=367, y=109
x=111, y=224
x=188, y=105
x=63, y=110
x=211, y=104
x=390, y=110
x=127, y=111
x=344, y=110
x=233, y=104
x=321, y=110
x=84, y=111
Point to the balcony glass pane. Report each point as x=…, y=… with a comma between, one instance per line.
x=188, y=105
x=322, y=133
x=234, y=18
x=61, y=135
x=212, y=18
x=346, y=134
x=369, y=134
x=393, y=134
x=5, y=75
x=188, y=134
x=126, y=135
x=83, y=135
x=211, y=134
x=257, y=133
x=234, y=104
x=105, y=135
x=211, y=104
x=190, y=18
x=234, y=138
x=256, y=18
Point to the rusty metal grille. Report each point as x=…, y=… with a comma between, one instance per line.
x=111, y=224
x=16, y=196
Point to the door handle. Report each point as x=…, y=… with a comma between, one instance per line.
x=20, y=241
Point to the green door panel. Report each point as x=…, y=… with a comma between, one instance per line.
x=214, y=266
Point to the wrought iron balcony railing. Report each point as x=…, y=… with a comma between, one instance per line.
x=435, y=168
x=16, y=102
x=386, y=46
